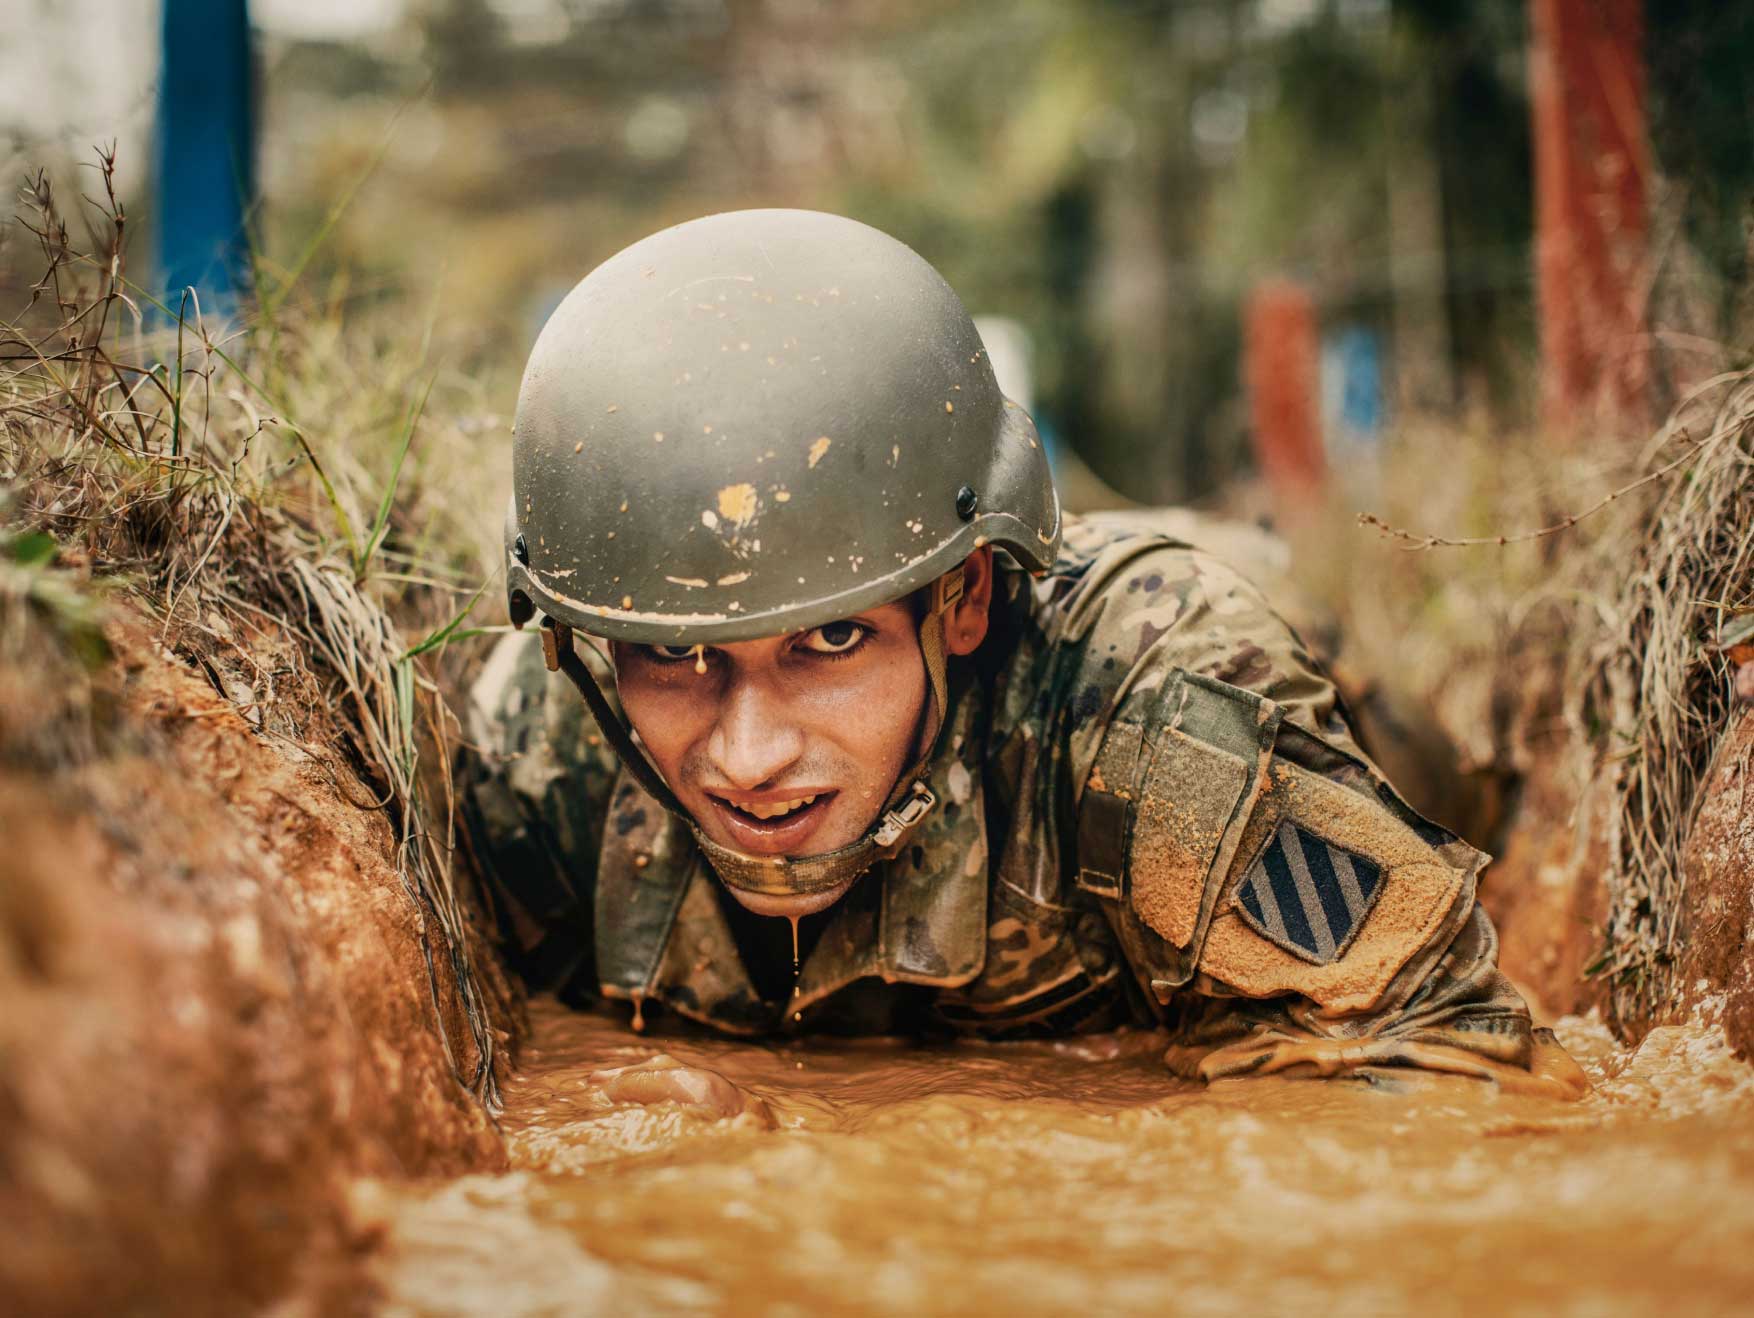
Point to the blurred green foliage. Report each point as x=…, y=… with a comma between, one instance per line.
x=1702, y=119
x=1114, y=174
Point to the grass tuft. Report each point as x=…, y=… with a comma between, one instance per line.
x=1664, y=686
x=155, y=462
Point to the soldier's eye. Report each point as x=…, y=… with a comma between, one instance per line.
x=835, y=638
x=672, y=654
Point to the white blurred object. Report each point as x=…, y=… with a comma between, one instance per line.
x=1219, y=120
x=1012, y=353
x=1108, y=133
x=78, y=72
x=326, y=20
x=1277, y=17
x=657, y=129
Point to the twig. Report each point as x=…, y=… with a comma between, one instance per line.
x=1415, y=541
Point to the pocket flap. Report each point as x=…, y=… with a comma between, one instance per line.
x=1163, y=814
x=1182, y=823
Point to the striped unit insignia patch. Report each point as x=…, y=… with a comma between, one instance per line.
x=1308, y=895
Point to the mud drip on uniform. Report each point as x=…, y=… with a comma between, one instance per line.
x=1098, y=1184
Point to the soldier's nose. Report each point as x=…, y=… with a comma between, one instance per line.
x=753, y=742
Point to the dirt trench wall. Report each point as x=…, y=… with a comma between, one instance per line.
x=1716, y=965
x=1547, y=891
x=1548, y=894
x=216, y=1011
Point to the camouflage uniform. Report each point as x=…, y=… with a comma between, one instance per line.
x=1153, y=812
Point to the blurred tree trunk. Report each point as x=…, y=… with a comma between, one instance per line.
x=1592, y=169
x=1281, y=372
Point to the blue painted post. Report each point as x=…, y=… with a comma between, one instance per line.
x=1361, y=393
x=206, y=151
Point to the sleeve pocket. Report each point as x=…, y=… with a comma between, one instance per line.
x=1163, y=815
x=1185, y=829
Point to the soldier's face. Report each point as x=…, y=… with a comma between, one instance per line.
x=791, y=745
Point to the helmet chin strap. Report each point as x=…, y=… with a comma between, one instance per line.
x=910, y=801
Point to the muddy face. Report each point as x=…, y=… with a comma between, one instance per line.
x=785, y=746
x=791, y=745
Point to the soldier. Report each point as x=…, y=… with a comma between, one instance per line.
x=828, y=762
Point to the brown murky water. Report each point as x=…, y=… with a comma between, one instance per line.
x=1078, y=1176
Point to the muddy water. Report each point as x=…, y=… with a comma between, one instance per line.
x=1026, y=1178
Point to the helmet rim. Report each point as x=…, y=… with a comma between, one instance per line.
x=1000, y=529
x=660, y=441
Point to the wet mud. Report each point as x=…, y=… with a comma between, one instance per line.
x=692, y=1175
x=216, y=1006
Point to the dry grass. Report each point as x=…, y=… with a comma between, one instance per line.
x=282, y=556
x=1555, y=608
x=1658, y=686
x=1480, y=636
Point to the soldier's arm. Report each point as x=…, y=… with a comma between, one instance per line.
x=535, y=785
x=1284, y=909
x=1347, y=936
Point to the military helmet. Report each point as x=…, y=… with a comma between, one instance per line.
x=756, y=423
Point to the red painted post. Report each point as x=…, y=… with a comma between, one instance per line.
x=1592, y=172
x=1281, y=372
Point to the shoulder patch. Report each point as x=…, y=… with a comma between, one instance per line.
x=1308, y=895
x=1415, y=898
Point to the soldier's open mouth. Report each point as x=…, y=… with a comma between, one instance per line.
x=774, y=825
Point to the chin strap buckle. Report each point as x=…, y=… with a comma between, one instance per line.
x=554, y=635
x=895, y=823
x=947, y=591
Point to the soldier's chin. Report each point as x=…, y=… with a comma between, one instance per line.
x=791, y=905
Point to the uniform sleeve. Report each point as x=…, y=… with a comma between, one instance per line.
x=536, y=778
x=1281, y=905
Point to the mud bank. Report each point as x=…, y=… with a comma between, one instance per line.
x=1717, y=909
x=1548, y=893
x=217, y=1003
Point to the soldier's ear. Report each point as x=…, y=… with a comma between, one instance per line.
x=966, y=627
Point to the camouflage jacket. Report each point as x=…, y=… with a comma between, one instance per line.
x=1152, y=811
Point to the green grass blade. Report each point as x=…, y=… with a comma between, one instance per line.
x=381, y=523
x=443, y=636
x=343, y=521
x=37, y=549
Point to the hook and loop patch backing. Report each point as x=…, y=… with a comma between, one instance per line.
x=1308, y=895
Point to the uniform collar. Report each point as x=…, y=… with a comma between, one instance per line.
x=920, y=918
